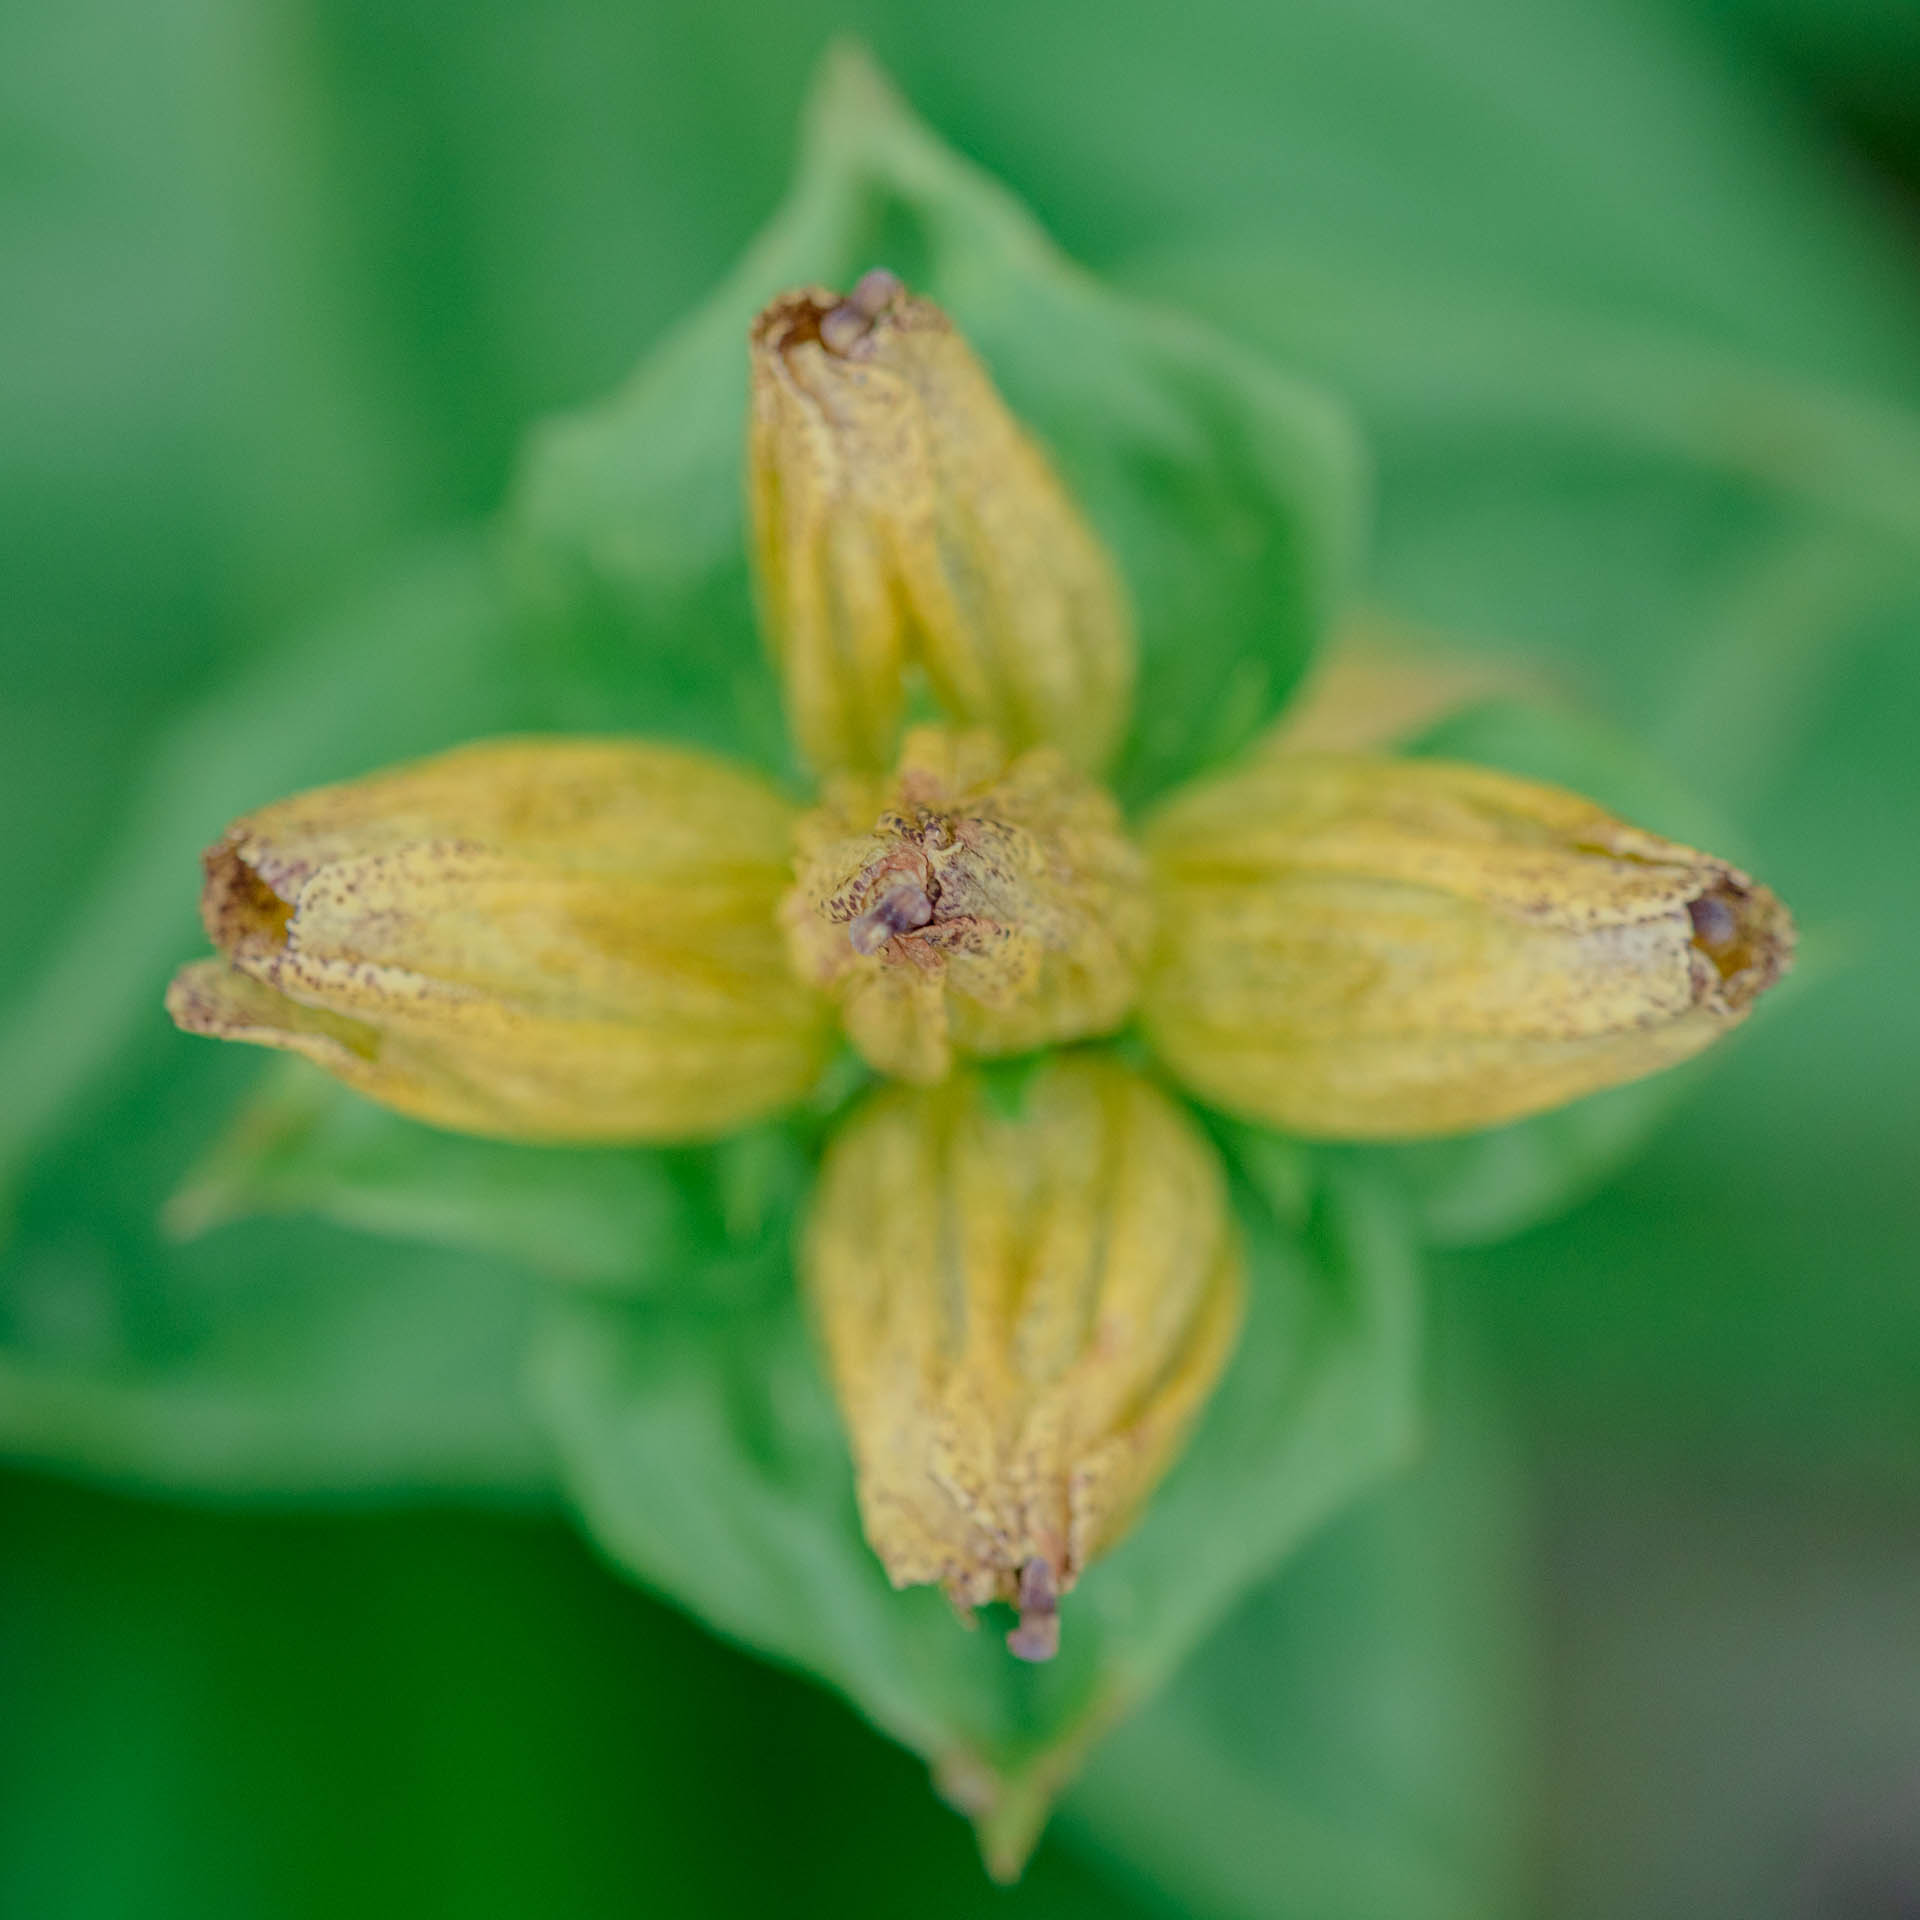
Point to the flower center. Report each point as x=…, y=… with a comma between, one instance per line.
x=970, y=901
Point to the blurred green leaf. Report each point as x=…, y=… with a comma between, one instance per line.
x=1859, y=60
x=1354, y=1743
x=1228, y=493
x=1612, y=157
x=273, y=1362
x=630, y=1219
x=707, y=1459
x=415, y=665
x=1744, y=1296
x=1701, y=537
x=238, y=1716
x=1567, y=748
x=1480, y=1188
x=198, y=427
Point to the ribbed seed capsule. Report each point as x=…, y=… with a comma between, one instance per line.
x=1022, y=1317
x=1359, y=947
x=902, y=519
x=970, y=902
x=536, y=939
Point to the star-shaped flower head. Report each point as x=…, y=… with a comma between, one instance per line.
x=1022, y=1311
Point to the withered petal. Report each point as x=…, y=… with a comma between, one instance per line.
x=539, y=939
x=903, y=519
x=1359, y=947
x=1022, y=1317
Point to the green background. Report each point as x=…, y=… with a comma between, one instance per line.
x=1626, y=297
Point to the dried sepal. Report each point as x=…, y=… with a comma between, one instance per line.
x=1365, y=948
x=1022, y=1317
x=970, y=902
x=1380, y=681
x=535, y=939
x=903, y=519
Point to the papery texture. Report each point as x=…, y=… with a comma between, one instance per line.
x=970, y=902
x=1022, y=1317
x=538, y=939
x=903, y=519
x=1362, y=947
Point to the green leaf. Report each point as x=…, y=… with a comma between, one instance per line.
x=203, y=1706
x=630, y=1219
x=1480, y=1188
x=272, y=1362
x=1692, y=528
x=706, y=1457
x=1229, y=493
x=1354, y=1742
x=1567, y=748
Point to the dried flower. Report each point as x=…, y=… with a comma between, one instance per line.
x=1358, y=947
x=1022, y=1317
x=539, y=939
x=903, y=519
x=602, y=940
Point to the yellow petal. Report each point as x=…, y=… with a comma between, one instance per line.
x=970, y=902
x=902, y=518
x=539, y=939
x=1365, y=948
x=1022, y=1317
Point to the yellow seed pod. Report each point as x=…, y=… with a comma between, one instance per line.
x=1022, y=1316
x=1355, y=947
x=559, y=939
x=902, y=518
x=968, y=902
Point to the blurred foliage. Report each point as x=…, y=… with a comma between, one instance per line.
x=1230, y=495
x=695, y=1434
x=311, y=1716
x=707, y=1458
x=1636, y=351
x=271, y=1360
x=1356, y=1741
x=425, y=1714
x=633, y=1220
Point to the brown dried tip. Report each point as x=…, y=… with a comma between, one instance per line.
x=904, y=908
x=1747, y=935
x=845, y=330
x=1037, y=1637
x=239, y=906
